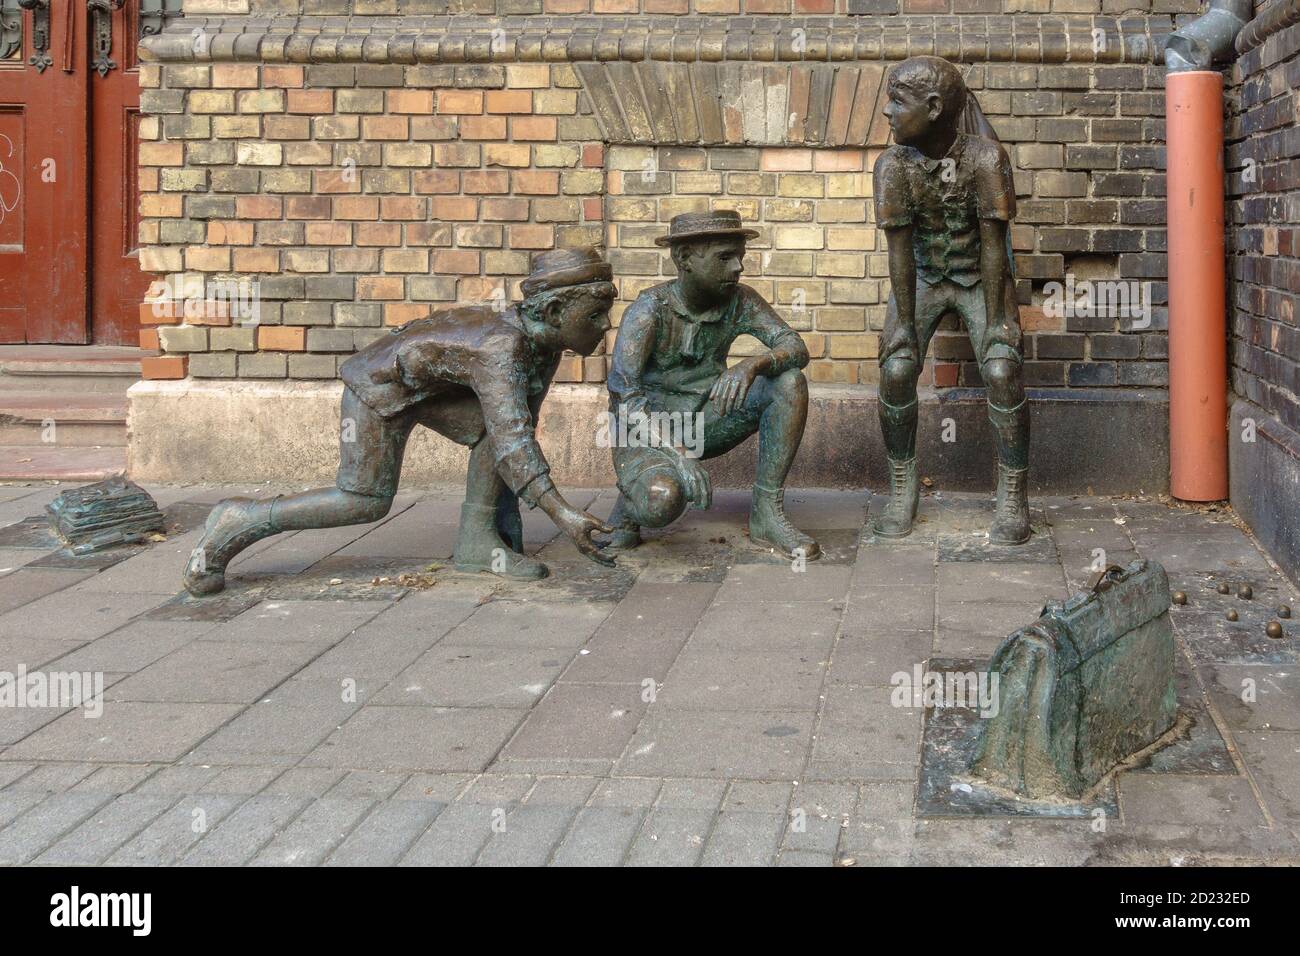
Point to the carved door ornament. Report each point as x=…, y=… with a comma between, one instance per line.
x=40, y=57
x=101, y=12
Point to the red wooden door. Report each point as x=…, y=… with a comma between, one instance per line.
x=116, y=282
x=44, y=252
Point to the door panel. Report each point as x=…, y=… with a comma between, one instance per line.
x=44, y=248
x=117, y=284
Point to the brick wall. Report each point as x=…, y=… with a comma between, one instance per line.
x=1263, y=160
x=364, y=195
x=686, y=7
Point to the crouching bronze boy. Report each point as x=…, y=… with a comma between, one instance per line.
x=945, y=200
x=475, y=375
x=670, y=358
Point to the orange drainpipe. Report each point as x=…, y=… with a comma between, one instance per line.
x=1198, y=349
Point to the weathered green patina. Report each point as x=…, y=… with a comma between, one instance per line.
x=945, y=200
x=476, y=375
x=1088, y=684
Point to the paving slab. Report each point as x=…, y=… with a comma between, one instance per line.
x=128, y=732
x=751, y=745
x=418, y=738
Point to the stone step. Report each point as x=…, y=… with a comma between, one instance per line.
x=69, y=368
x=60, y=463
x=59, y=418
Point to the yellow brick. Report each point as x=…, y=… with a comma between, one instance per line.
x=748, y=208
x=630, y=209
x=841, y=320
x=710, y=184
x=528, y=76
x=848, y=185
x=555, y=102
x=799, y=237
x=802, y=185
x=853, y=346
x=848, y=238
x=675, y=207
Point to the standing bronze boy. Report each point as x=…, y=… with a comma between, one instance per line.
x=945, y=200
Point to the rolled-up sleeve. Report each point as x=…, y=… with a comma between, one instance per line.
x=633, y=347
x=995, y=186
x=761, y=321
x=502, y=388
x=894, y=207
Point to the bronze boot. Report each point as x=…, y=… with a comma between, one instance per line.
x=904, y=493
x=1011, y=516
x=232, y=526
x=480, y=548
x=1011, y=432
x=770, y=528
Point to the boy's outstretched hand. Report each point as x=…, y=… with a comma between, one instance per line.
x=578, y=525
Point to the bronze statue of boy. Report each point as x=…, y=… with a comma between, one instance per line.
x=670, y=358
x=476, y=375
x=945, y=199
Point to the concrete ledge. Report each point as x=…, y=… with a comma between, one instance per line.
x=1264, y=481
x=1104, y=441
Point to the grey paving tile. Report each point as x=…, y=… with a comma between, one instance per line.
x=744, y=838
x=536, y=624
x=749, y=583
x=754, y=745
x=11, y=774
x=468, y=675
x=128, y=732
x=626, y=792
x=1256, y=697
x=1185, y=799
x=214, y=672
x=43, y=824
x=861, y=736
x=671, y=837
x=987, y=618
x=370, y=784
x=806, y=628
x=1274, y=761
x=242, y=833
x=93, y=841
x=304, y=782
x=14, y=803
x=383, y=836
x=568, y=791
x=805, y=858
x=310, y=838
x=297, y=622
x=692, y=793
x=394, y=639
x=133, y=647
x=643, y=635
x=579, y=721
x=759, y=797
x=874, y=658
x=888, y=610
x=426, y=530
x=26, y=585
x=881, y=565
x=529, y=835
x=439, y=787
x=417, y=738
x=118, y=779
x=455, y=836
x=273, y=729
x=53, y=777
x=56, y=618
x=713, y=678
x=964, y=582
x=600, y=836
